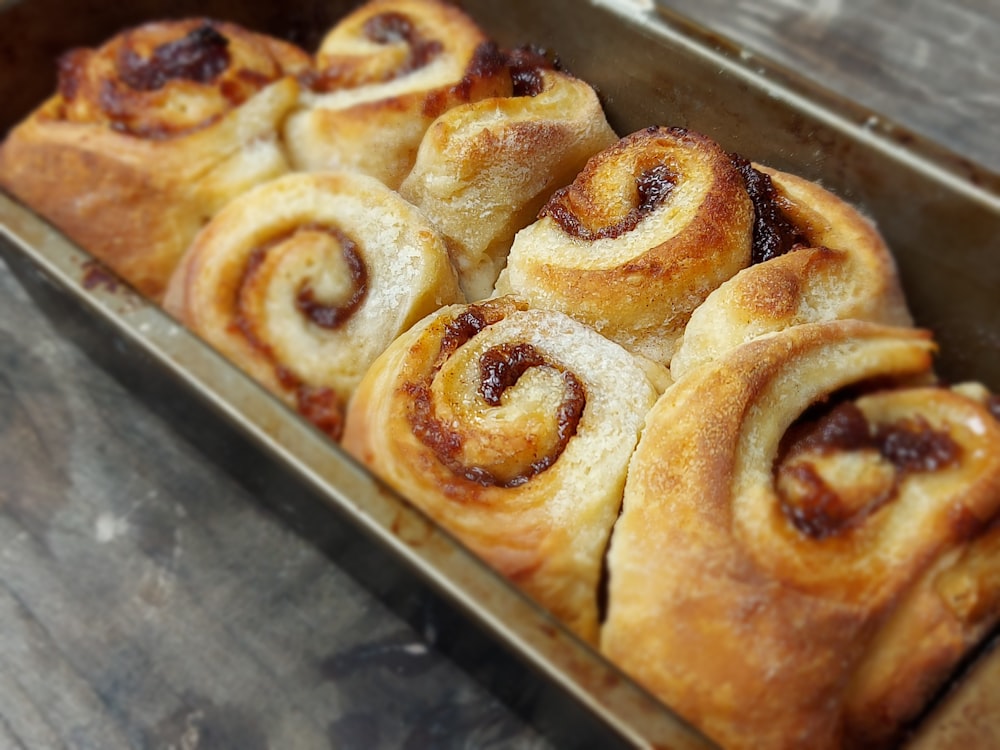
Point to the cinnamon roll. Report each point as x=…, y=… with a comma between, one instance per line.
x=149, y=135
x=840, y=268
x=648, y=228
x=512, y=428
x=304, y=280
x=484, y=169
x=806, y=546
x=384, y=72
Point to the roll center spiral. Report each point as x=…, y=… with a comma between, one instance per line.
x=501, y=367
x=328, y=314
x=840, y=470
x=320, y=404
x=568, y=207
x=396, y=28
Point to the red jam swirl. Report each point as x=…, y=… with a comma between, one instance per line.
x=386, y=29
x=330, y=316
x=200, y=56
x=653, y=188
x=910, y=445
x=500, y=369
x=526, y=65
x=320, y=405
x=773, y=233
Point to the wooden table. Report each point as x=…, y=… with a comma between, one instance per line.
x=146, y=599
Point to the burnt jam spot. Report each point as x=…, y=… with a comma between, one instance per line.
x=329, y=316
x=500, y=368
x=488, y=61
x=653, y=188
x=526, y=66
x=845, y=428
x=200, y=56
x=910, y=445
x=773, y=233
x=389, y=28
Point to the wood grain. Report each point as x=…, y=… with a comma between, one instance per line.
x=929, y=65
x=146, y=601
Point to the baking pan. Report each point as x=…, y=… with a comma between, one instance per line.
x=939, y=213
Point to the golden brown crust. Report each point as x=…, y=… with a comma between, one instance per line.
x=638, y=240
x=845, y=270
x=485, y=169
x=512, y=428
x=303, y=281
x=133, y=177
x=755, y=604
x=385, y=72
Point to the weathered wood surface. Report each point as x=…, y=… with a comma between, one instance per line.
x=146, y=600
x=930, y=65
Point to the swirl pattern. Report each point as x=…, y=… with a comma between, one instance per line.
x=150, y=135
x=384, y=72
x=784, y=578
x=840, y=269
x=303, y=281
x=638, y=240
x=513, y=428
x=485, y=169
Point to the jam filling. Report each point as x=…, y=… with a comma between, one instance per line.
x=909, y=446
x=391, y=28
x=773, y=233
x=396, y=28
x=200, y=56
x=653, y=188
x=319, y=404
x=500, y=368
x=526, y=66
x=487, y=62
x=330, y=316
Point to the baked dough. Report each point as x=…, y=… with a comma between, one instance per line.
x=150, y=135
x=303, y=281
x=638, y=240
x=485, y=169
x=512, y=428
x=813, y=586
x=384, y=73
x=842, y=269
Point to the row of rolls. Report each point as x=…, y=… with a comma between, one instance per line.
x=674, y=395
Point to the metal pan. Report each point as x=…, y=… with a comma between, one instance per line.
x=650, y=67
